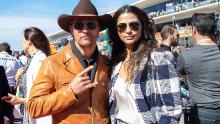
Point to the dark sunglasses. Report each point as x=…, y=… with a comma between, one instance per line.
x=135, y=26
x=79, y=25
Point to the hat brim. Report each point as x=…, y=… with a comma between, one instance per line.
x=65, y=20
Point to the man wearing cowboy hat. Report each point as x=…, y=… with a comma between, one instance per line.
x=72, y=84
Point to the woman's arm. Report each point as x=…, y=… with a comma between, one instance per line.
x=14, y=100
x=167, y=84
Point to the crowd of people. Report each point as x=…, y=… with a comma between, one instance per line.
x=179, y=5
x=138, y=83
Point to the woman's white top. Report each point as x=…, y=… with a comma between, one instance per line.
x=32, y=72
x=125, y=100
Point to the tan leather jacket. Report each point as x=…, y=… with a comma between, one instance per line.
x=50, y=94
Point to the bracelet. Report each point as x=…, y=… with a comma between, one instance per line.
x=73, y=91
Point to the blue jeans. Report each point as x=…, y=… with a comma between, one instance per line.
x=205, y=116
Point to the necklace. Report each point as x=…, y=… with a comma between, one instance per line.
x=205, y=42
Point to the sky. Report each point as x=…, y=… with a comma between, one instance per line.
x=16, y=15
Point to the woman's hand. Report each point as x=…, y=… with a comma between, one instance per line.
x=19, y=73
x=12, y=99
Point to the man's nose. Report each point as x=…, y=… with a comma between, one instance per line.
x=85, y=29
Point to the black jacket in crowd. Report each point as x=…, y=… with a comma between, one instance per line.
x=4, y=90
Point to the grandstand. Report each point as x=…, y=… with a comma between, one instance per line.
x=175, y=12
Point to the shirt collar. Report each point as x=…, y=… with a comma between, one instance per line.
x=165, y=47
x=3, y=52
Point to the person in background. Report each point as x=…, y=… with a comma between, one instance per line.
x=170, y=39
x=53, y=49
x=36, y=46
x=63, y=43
x=4, y=90
x=143, y=81
x=72, y=85
x=15, y=54
x=200, y=65
x=11, y=65
x=105, y=53
x=23, y=58
x=153, y=25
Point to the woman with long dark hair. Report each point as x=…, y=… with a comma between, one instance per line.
x=144, y=84
x=36, y=46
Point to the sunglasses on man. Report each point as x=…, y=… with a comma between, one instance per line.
x=91, y=25
x=134, y=26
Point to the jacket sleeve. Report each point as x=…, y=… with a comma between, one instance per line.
x=167, y=83
x=44, y=98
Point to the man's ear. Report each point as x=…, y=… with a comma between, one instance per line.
x=194, y=31
x=99, y=28
x=170, y=37
x=71, y=28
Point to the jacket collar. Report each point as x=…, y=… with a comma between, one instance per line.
x=4, y=53
x=70, y=61
x=73, y=65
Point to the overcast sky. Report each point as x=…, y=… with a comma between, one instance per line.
x=16, y=15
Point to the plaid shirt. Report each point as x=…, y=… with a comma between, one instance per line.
x=156, y=90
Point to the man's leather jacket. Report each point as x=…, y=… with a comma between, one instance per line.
x=50, y=94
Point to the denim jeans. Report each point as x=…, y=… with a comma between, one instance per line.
x=205, y=116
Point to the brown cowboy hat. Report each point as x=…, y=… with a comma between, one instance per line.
x=84, y=9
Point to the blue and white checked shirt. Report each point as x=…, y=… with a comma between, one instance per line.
x=157, y=92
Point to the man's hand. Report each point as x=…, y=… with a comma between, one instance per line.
x=177, y=49
x=82, y=82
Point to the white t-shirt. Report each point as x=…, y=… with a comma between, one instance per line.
x=125, y=101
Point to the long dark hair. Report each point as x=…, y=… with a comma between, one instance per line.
x=145, y=45
x=38, y=38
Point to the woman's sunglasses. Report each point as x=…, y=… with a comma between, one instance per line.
x=135, y=26
x=79, y=25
